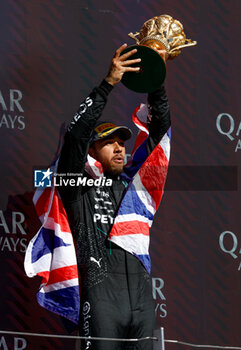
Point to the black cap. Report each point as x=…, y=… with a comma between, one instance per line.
x=104, y=129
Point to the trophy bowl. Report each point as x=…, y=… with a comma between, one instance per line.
x=152, y=70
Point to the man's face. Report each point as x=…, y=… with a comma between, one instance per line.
x=110, y=152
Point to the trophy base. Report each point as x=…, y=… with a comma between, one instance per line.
x=152, y=72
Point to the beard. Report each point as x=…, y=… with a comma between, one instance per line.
x=113, y=171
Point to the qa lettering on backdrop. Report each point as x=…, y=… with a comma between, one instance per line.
x=12, y=240
x=229, y=244
x=232, y=131
x=158, y=296
x=11, y=116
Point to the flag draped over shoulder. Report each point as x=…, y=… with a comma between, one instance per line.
x=51, y=255
x=51, y=252
x=135, y=216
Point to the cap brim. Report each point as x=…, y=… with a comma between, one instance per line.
x=124, y=133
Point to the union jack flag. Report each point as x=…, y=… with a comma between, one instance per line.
x=51, y=253
x=135, y=216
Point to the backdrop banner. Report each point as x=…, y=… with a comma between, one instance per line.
x=52, y=54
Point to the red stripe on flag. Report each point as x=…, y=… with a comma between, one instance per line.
x=139, y=140
x=63, y=274
x=136, y=120
x=44, y=275
x=42, y=203
x=58, y=213
x=142, y=135
x=129, y=228
x=153, y=174
x=59, y=275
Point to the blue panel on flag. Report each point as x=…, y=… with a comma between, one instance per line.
x=64, y=302
x=45, y=243
x=141, y=153
x=146, y=261
x=133, y=204
x=138, y=159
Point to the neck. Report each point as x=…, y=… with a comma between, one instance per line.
x=112, y=176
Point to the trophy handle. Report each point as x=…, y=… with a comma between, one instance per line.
x=190, y=43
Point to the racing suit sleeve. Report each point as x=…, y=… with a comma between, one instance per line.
x=160, y=117
x=77, y=138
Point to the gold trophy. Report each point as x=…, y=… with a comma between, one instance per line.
x=158, y=33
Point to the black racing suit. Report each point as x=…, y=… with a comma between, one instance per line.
x=116, y=296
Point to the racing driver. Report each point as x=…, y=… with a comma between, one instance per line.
x=116, y=295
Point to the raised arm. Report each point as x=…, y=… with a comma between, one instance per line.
x=77, y=139
x=160, y=117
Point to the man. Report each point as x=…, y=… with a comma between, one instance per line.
x=116, y=296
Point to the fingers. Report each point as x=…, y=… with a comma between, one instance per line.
x=125, y=55
x=120, y=64
x=130, y=62
x=118, y=51
x=131, y=69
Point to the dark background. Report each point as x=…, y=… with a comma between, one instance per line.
x=54, y=53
